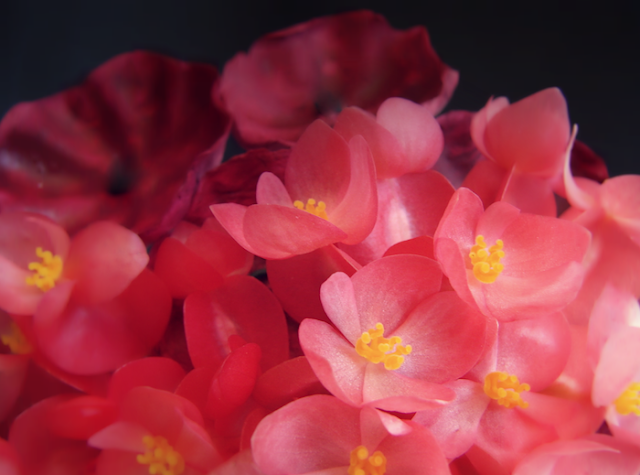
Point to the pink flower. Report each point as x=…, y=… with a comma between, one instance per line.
x=509, y=264
x=320, y=434
x=329, y=196
x=526, y=143
x=397, y=337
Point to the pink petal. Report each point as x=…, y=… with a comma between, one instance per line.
x=392, y=391
x=271, y=191
x=417, y=131
x=387, y=153
x=356, y=213
x=334, y=360
x=531, y=134
x=311, y=434
x=455, y=425
x=103, y=260
x=446, y=336
x=388, y=289
x=278, y=232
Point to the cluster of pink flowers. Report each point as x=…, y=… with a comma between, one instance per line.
x=372, y=288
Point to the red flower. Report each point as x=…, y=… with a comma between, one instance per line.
x=129, y=144
x=294, y=76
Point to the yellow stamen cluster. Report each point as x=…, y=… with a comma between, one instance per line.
x=629, y=400
x=486, y=263
x=362, y=464
x=378, y=349
x=161, y=457
x=16, y=341
x=319, y=210
x=46, y=272
x=505, y=389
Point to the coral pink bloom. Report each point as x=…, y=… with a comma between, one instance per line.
x=129, y=145
x=320, y=434
x=431, y=337
x=526, y=142
x=329, y=196
x=95, y=306
x=614, y=351
x=155, y=430
x=510, y=264
x=291, y=77
x=405, y=141
x=101, y=261
x=596, y=453
x=611, y=211
x=498, y=428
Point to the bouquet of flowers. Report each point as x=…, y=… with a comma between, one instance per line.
x=371, y=288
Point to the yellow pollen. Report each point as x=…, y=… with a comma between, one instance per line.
x=16, y=341
x=486, y=263
x=378, y=349
x=46, y=272
x=505, y=389
x=161, y=457
x=362, y=464
x=629, y=400
x=319, y=210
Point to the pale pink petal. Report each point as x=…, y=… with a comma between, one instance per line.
x=618, y=367
x=319, y=166
x=387, y=289
x=356, y=212
x=271, y=191
x=446, y=337
x=620, y=197
x=309, y=435
x=103, y=260
x=531, y=134
x=391, y=391
x=455, y=425
x=334, y=360
x=536, y=350
x=385, y=148
x=480, y=120
x=278, y=232
x=339, y=301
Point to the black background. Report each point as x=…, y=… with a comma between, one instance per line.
x=513, y=49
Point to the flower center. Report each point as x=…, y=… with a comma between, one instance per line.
x=161, y=457
x=319, y=210
x=505, y=388
x=46, y=272
x=16, y=341
x=362, y=464
x=378, y=349
x=629, y=400
x=486, y=263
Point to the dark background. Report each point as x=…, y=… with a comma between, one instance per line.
x=513, y=49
